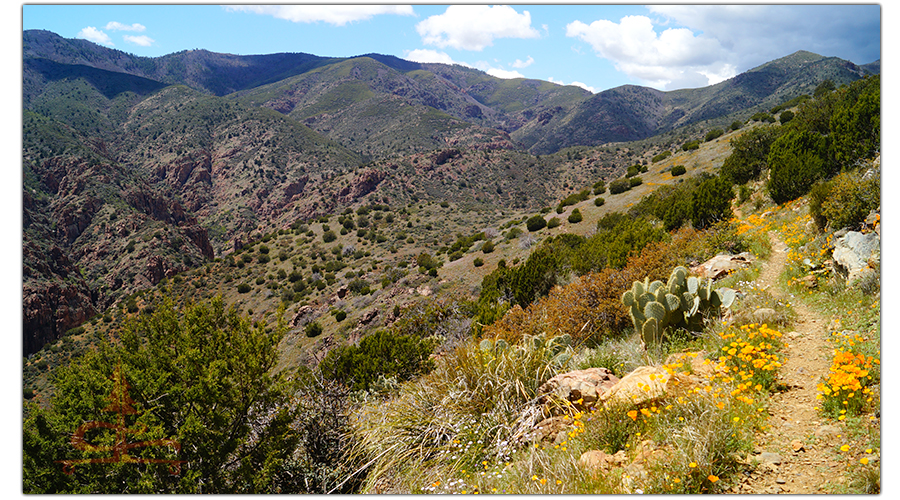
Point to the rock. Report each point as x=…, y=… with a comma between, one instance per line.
x=721, y=265
x=550, y=428
x=768, y=457
x=368, y=317
x=797, y=445
x=765, y=315
x=581, y=388
x=828, y=432
x=301, y=314
x=853, y=252
x=599, y=461
x=649, y=383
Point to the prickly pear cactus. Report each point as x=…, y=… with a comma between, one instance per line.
x=682, y=302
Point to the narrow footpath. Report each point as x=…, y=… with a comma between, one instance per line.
x=795, y=452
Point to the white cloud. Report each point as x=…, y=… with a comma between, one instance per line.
x=523, y=64
x=116, y=26
x=502, y=73
x=337, y=15
x=474, y=27
x=428, y=56
x=755, y=34
x=92, y=34
x=142, y=40
x=675, y=58
x=577, y=84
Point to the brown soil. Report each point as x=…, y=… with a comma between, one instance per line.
x=795, y=454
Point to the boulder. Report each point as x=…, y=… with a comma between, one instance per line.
x=581, y=388
x=856, y=253
x=721, y=265
x=647, y=384
x=765, y=316
x=597, y=461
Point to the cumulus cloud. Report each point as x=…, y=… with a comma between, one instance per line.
x=503, y=73
x=755, y=34
x=142, y=40
x=337, y=15
x=429, y=56
x=523, y=64
x=676, y=57
x=577, y=84
x=92, y=34
x=474, y=27
x=116, y=26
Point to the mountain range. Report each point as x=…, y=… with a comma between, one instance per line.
x=138, y=169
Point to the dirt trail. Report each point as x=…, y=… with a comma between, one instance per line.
x=795, y=452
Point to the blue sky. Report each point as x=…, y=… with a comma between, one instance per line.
x=595, y=46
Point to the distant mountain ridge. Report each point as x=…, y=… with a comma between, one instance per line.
x=540, y=116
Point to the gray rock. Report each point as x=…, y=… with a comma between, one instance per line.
x=854, y=251
x=768, y=457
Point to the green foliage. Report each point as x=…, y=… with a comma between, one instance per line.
x=200, y=377
x=478, y=262
x=619, y=186
x=796, y=161
x=691, y=145
x=786, y=116
x=678, y=170
x=662, y=156
x=536, y=223
x=487, y=246
x=554, y=222
x=856, y=122
x=632, y=171
x=634, y=182
x=329, y=236
x=735, y=125
x=575, y=217
x=713, y=134
x=711, y=202
x=243, y=288
x=845, y=201
x=313, y=329
x=749, y=154
x=599, y=187
x=379, y=355
x=762, y=116
x=599, y=201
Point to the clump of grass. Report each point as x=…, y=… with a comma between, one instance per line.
x=476, y=406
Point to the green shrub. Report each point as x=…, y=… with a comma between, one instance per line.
x=714, y=134
x=786, y=116
x=379, y=355
x=243, y=288
x=599, y=187
x=634, y=182
x=536, y=223
x=554, y=222
x=478, y=262
x=750, y=154
x=845, y=201
x=632, y=171
x=340, y=316
x=796, y=161
x=711, y=202
x=688, y=146
x=662, y=156
x=313, y=329
x=575, y=217
x=619, y=186
x=678, y=170
x=598, y=201
x=736, y=125
x=328, y=236
x=487, y=247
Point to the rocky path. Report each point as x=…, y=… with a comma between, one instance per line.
x=795, y=453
